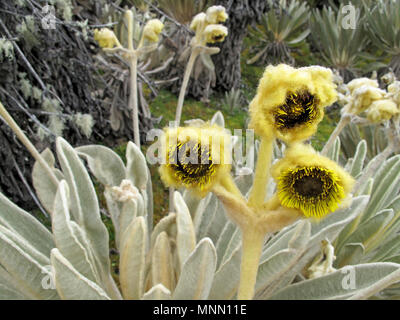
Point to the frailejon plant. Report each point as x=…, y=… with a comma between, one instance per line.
x=279, y=31
x=195, y=251
x=147, y=40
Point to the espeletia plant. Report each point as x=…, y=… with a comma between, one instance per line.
x=271, y=234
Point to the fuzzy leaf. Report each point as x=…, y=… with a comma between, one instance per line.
x=337, y=285
x=186, y=237
x=104, y=163
x=132, y=259
x=42, y=182
x=70, y=284
x=197, y=273
x=19, y=221
x=136, y=167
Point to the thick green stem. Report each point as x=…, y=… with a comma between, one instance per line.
x=252, y=243
x=261, y=176
x=27, y=143
x=344, y=121
x=186, y=77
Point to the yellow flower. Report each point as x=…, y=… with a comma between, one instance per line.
x=196, y=157
x=362, y=97
x=215, y=33
x=309, y=182
x=152, y=29
x=106, y=38
x=290, y=102
x=382, y=110
x=216, y=14
x=198, y=22
x=359, y=82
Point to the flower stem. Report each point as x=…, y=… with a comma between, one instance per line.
x=27, y=143
x=261, y=176
x=252, y=243
x=344, y=121
x=195, y=52
x=133, y=99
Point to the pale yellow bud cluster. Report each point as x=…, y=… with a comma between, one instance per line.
x=364, y=97
x=207, y=26
x=106, y=38
x=152, y=30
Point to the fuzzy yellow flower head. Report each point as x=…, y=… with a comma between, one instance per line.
x=215, y=33
x=382, y=110
x=362, y=98
x=313, y=184
x=106, y=38
x=359, y=82
x=216, y=14
x=290, y=102
x=152, y=29
x=198, y=22
x=196, y=157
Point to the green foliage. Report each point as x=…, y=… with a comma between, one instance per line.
x=340, y=47
x=280, y=30
x=383, y=25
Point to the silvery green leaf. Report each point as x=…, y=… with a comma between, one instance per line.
x=16, y=261
x=25, y=246
x=42, y=182
x=327, y=229
x=128, y=213
x=218, y=223
x=201, y=210
x=114, y=209
x=158, y=292
x=197, y=273
x=136, y=167
x=150, y=202
x=367, y=230
x=223, y=241
x=388, y=249
x=104, y=163
x=275, y=267
x=340, y=284
x=350, y=254
x=226, y=279
x=192, y=201
x=162, y=269
x=206, y=217
x=333, y=152
x=186, y=237
x=9, y=287
x=386, y=181
x=244, y=183
x=163, y=225
x=359, y=158
x=218, y=119
x=85, y=209
x=132, y=259
x=19, y=221
x=9, y=293
x=366, y=189
x=234, y=241
x=70, y=284
x=67, y=242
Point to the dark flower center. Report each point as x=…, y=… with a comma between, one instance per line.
x=192, y=163
x=298, y=109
